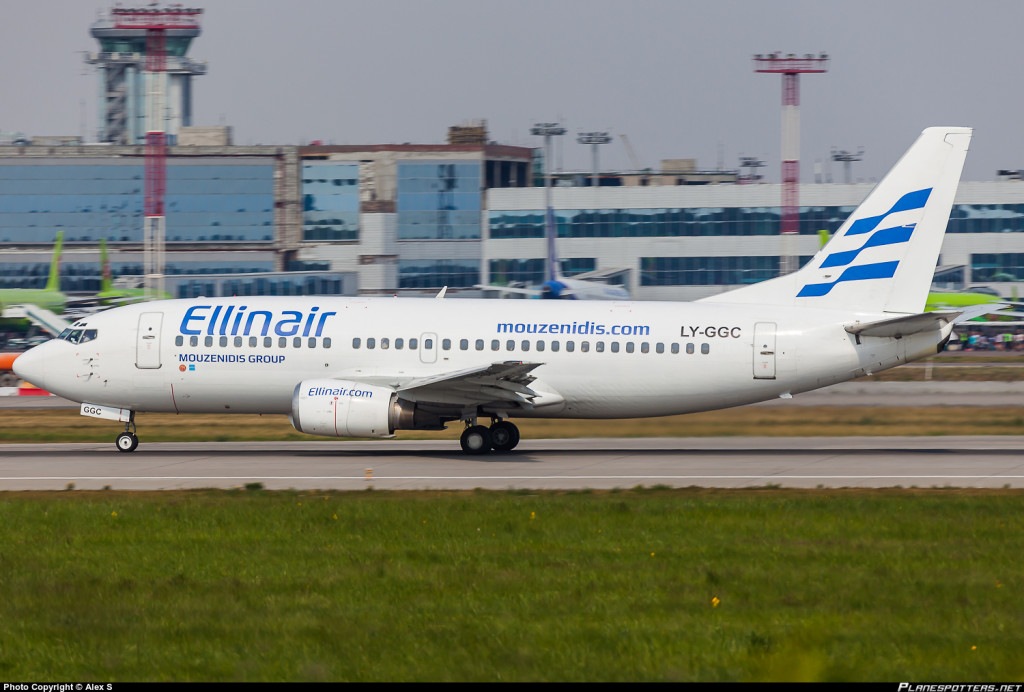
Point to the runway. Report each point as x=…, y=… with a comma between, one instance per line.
x=862, y=462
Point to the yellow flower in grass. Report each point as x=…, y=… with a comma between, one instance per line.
x=715, y=601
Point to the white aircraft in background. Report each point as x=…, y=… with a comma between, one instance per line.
x=366, y=367
x=586, y=286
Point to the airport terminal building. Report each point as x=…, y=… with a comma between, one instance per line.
x=411, y=219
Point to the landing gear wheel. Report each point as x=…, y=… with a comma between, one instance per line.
x=127, y=442
x=504, y=436
x=476, y=439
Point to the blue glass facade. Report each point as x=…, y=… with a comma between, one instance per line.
x=708, y=271
x=993, y=267
x=212, y=201
x=330, y=201
x=724, y=221
x=531, y=271
x=439, y=200
x=438, y=273
x=85, y=276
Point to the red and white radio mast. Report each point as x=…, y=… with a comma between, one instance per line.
x=790, y=67
x=156, y=21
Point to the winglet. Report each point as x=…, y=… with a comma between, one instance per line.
x=440, y=294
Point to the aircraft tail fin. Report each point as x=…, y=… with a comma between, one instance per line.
x=553, y=272
x=883, y=257
x=53, y=282
x=106, y=282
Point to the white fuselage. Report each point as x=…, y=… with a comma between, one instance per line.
x=598, y=359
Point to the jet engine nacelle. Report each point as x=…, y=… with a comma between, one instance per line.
x=342, y=408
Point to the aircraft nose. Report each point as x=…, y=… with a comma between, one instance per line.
x=31, y=365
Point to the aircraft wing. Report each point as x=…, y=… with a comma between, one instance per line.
x=505, y=383
x=510, y=289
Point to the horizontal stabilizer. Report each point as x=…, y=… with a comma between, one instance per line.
x=905, y=325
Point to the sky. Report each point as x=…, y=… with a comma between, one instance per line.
x=676, y=77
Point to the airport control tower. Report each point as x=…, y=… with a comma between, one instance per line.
x=121, y=66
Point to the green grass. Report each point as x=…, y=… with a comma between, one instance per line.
x=629, y=585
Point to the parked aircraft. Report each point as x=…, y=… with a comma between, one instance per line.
x=367, y=367
x=586, y=286
x=49, y=297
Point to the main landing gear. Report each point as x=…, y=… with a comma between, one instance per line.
x=502, y=436
x=128, y=440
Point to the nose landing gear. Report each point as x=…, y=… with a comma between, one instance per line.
x=128, y=440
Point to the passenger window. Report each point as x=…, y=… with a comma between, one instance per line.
x=193, y=341
x=645, y=347
x=585, y=346
x=399, y=343
x=252, y=342
x=179, y=340
x=510, y=345
x=223, y=341
x=282, y=342
x=463, y=344
x=327, y=342
x=524, y=345
x=630, y=347
x=385, y=343
x=479, y=344
x=615, y=347
x=412, y=344
x=446, y=344
x=675, y=348
x=371, y=342
x=495, y=344
x=209, y=341
x=705, y=348
x=297, y=342
x=312, y=342
x=238, y=342
x=659, y=347
x=540, y=345
x=599, y=347
x=689, y=349
x=554, y=345
x=570, y=346
x=428, y=344
x=268, y=341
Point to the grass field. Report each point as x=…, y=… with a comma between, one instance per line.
x=637, y=585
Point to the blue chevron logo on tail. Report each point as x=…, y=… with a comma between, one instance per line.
x=886, y=236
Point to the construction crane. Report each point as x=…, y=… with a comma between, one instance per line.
x=632, y=155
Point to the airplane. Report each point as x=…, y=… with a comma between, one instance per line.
x=49, y=297
x=19, y=304
x=368, y=367
x=119, y=295
x=585, y=286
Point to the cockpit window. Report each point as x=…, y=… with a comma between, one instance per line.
x=77, y=336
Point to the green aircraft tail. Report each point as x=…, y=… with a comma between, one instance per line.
x=105, y=282
x=53, y=283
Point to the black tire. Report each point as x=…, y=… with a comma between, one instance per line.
x=126, y=442
x=476, y=439
x=504, y=436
